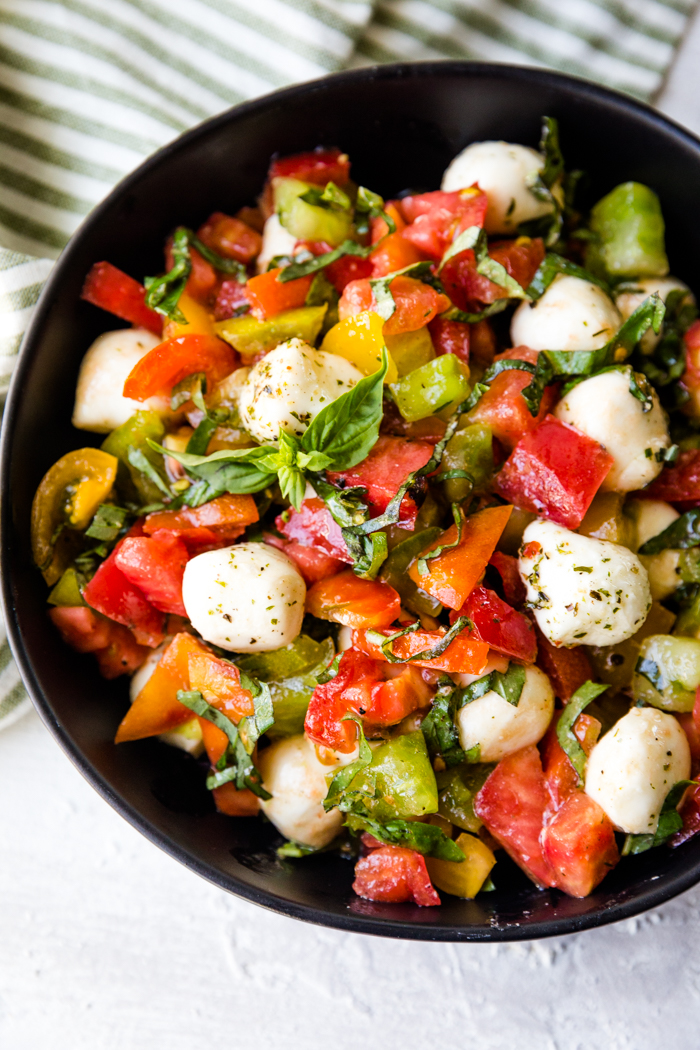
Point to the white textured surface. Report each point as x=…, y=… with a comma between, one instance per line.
x=107, y=944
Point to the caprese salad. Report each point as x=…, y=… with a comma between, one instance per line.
x=395, y=523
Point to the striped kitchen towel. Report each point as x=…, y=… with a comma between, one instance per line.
x=88, y=88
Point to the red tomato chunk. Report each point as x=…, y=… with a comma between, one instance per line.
x=555, y=472
x=230, y=237
x=499, y=625
x=312, y=562
x=112, y=290
x=319, y=166
x=567, y=669
x=115, y=596
x=503, y=407
x=678, y=482
x=114, y=646
x=314, y=526
x=349, y=600
x=437, y=218
x=383, y=472
x=156, y=565
x=579, y=845
x=465, y=286
x=395, y=875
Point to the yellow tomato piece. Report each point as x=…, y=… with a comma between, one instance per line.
x=69, y=494
x=360, y=340
x=410, y=350
x=199, y=320
x=467, y=878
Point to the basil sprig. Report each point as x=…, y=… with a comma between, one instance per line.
x=338, y=438
x=163, y=293
x=670, y=821
x=583, y=696
x=681, y=534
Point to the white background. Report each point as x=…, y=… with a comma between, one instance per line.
x=107, y=944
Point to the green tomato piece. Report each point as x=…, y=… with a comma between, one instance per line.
x=437, y=387
x=394, y=571
x=67, y=590
x=688, y=622
x=135, y=433
x=291, y=674
x=470, y=450
x=689, y=565
x=401, y=774
x=668, y=672
x=630, y=231
x=309, y=222
x=250, y=336
x=457, y=788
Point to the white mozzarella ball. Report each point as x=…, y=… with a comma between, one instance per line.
x=583, y=591
x=99, y=403
x=604, y=408
x=500, y=728
x=634, y=766
x=248, y=598
x=633, y=293
x=289, y=386
x=573, y=314
x=502, y=170
x=188, y=736
x=275, y=241
x=344, y=639
x=296, y=779
x=652, y=516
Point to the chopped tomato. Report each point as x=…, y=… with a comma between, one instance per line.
x=384, y=470
x=319, y=166
x=450, y=337
x=453, y=575
x=521, y=259
x=169, y=362
x=380, y=693
x=312, y=562
x=416, y=303
x=230, y=237
x=81, y=628
x=579, y=845
x=466, y=654
x=691, y=377
x=482, y=346
x=395, y=875
x=555, y=471
x=512, y=804
x=567, y=669
x=394, y=254
x=115, y=596
x=156, y=565
x=690, y=812
x=437, y=218
x=112, y=290
x=236, y=803
x=503, y=408
x=219, y=521
x=314, y=526
x=156, y=709
x=692, y=731
x=203, y=278
x=123, y=654
x=219, y=682
x=502, y=627
x=678, y=482
x=560, y=777
x=507, y=567
x=347, y=599
x=231, y=297
x=268, y=296
x=344, y=270
x=379, y=228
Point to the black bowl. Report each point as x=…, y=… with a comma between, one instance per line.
x=401, y=125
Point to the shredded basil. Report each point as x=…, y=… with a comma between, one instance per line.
x=107, y=523
x=428, y=839
x=490, y=374
x=163, y=293
x=681, y=534
x=565, y=726
x=330, y=197
x=139, y=460
x=551, y=266
x=670, y=821
x=541, y=183
x=475, y=238
x=496, y=307
x=442, y=548
x=386, y=643
x=344, y=777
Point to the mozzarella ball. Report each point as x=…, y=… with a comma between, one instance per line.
x=500, y=728
x=275, y=241
x=604, y=408
x=502, y=170
x=650, y=517
x=573, y=314
x=583, y=591
x=634, y=766
x=99, y=403
x=248, y=598
x=633, y=293
x=188, y=736
x=296, y=779
x=289, y=386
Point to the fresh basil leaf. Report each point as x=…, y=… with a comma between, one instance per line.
x=199, y=442
x=140, y=462
x=369, y=206
x=670, y=821
x=303, y=268
x=565, y=726
x=438, y=726
x=331, y=671
x=238, y=471
x=509, y=684
x=107, y=522
x=541, y=183
x=294, y=850
x=649, y=314
x=427, y=839
x=344, y=777
x=551, y=266
x=188, y=388
x=475, y=239
x=331, y=197
x=681, y=534
x=163, y=293
x=533, y=393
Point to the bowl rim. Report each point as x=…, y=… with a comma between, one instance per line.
x=651, y=896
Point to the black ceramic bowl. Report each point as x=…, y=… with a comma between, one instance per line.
x=401, y=125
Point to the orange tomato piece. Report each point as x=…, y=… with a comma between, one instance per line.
x=169, y=362
x=466, y=654
x=268, y=296
x=156, y=709
x=219, y=682
x=219, y=514
x=453, y=575
x=347, y=599
x=393, y=254
x=235, y=803
x=416, y=303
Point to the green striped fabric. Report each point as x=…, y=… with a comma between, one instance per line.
x=88, y=88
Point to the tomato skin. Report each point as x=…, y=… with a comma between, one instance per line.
x=450, y=337
x=156, y=565
x=384, y=470
x=453, y=575
x=112, y=593
x=567, y=669
x=467, y=654
x=234, y=803
x=416, y=303
x=81, y=628
x=169, y=362
x=465, y=286
x=437, y=218
x=232, y=295
x=555, y=471
x=347, y=599
x=314, y=526
x=112, y=290
x=678, y=483
x=219, y=682
x=216, y=523
x=123, y=654
x=497, y=623
x=230, y=237
x=579, y=845
x=268, y=296
x=512, y=804
x=690, y=812
x=312, y=562
x=395, y=875
x=319, y=166
x=503, y=408
x=507, y=567
x=561, y=779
